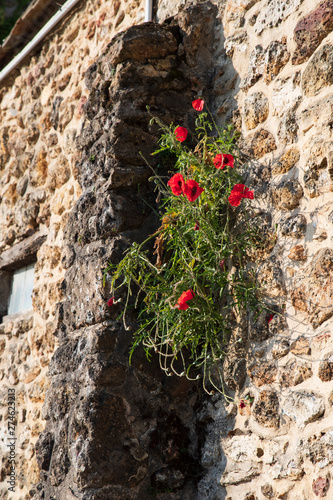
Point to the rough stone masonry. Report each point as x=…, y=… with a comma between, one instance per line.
x=69, y=166
x=114, y=430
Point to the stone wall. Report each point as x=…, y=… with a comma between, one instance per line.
x=68, y=170
x=274, y=81
x=41, y=114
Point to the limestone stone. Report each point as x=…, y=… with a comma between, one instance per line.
x=11, y=195
x=66, y=115
x=22, y=185
x=294, y=373
x=239, y=474
x=59, y=173
x=243, y=448
x=287, y=194
x=23, y=349
x=263, y=373
x=325, y=370
x=288, y=127
x=292, y=469
x=299, y=299
x=256, y=67
x=266, y=409
x=237, y=41
x=274, y=12
x=317, y=178
x=311, y=30
x=63, y=200
x=276, y=57
x=315, y=295
x=49, y=256
x=294, y=226
x=298, y=252
x=55, y=152
x=267, y=63
x=100, y=385
x=159, y=423
x=286, y=94
x=303, y=407
x=32, y=374
x=26, y=213
x=255, y=109
x=271, y=277
x=262, y=143
x=32, y=134
x=62, y=84
x=10, y=237
x=267, y=491
x=318, y=73
x=280, y=349
x=38, y=169
x=237, y=8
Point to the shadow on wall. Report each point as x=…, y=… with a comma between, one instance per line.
x=114, y=430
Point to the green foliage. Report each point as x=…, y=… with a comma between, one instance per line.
x=201, y=246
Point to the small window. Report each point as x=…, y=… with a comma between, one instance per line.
x=20, y=297
x=17, y=276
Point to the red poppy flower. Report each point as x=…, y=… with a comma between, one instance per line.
x=198, y=104
x=110, y=302
x=220, y=161
x=270, y=318
x=196, y=227
x=181, y=134
x=192, y=190
x=182, y=301
x=242, y=404
x=177, y=184
x=238, y=192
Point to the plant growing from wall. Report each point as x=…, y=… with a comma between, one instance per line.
x=196, y=284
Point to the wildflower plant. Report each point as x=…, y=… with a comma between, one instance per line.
x=190, y=279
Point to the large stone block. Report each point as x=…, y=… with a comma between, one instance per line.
x=325, y=370
x=273, y=12
x=286, y=94
x=255, y=109
x=303, y=407
x=287, y=194
x=314, y=295
x=264, y=372
x=262, y=143
x=294, y=226
x=318, y=74
x=266, y=63
x=288, y=127
x=317, y=115
x=142, y=42
x=294, y=373
x=311, y=30
x=266, y=409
